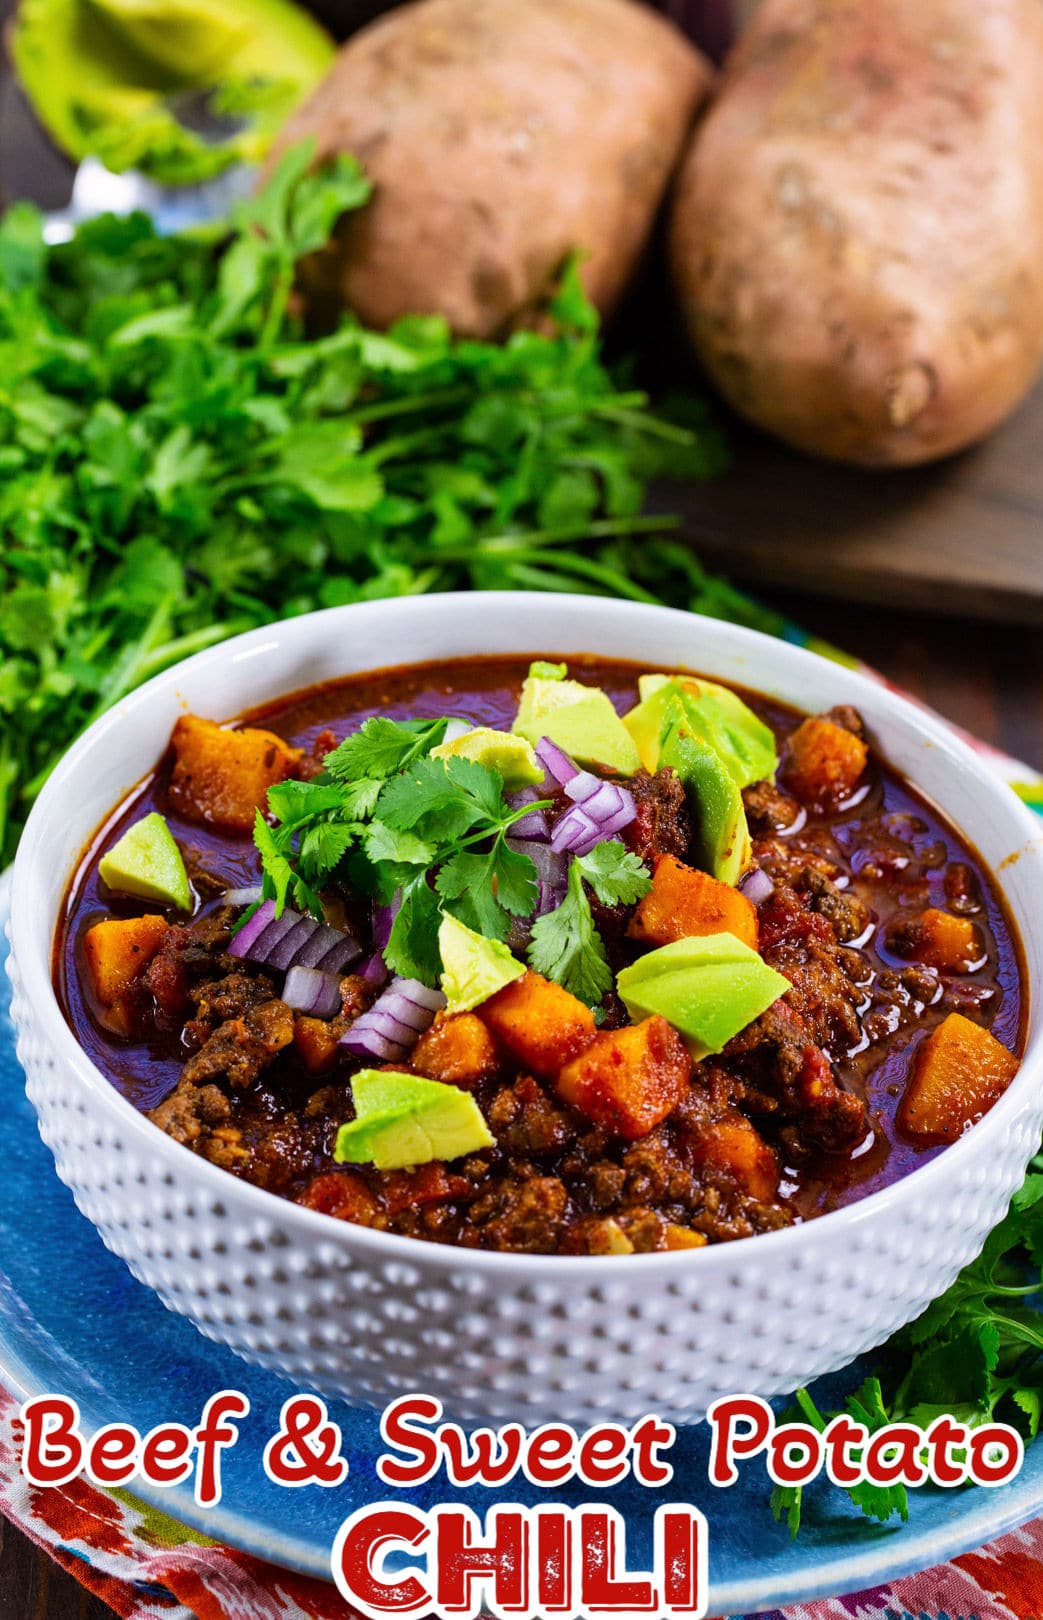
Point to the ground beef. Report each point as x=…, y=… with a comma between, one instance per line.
x=768, y=809
x=524, y=1216
x=792, y=1078
x=190, y=1110
x=849, y=718
x=663, y=825
x=846, y=914
x=242, y=1048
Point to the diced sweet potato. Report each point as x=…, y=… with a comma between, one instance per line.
x=120, y=949
x=939, y=940
x=316, y=1044
x=822, y=763
x=222, y=777
x=342, y=1194
x=735, y=1146
x=959, y=1071
x=682, y=902
x=682, y=1237
x=117, y=953
x=628, y=1079
x=541, y=1025
x=457, y=1050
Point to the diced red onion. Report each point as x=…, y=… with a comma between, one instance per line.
x=551, y=867
x=395, y=1021
x=252, y=929
x=285, y=952
x=293, y=941
x=555, y=761
x=531, y=827
x=373, y=970
x=757, y=886
x=603, y=801
x=549, y=897
x=249, y=896
x=310, y=991
x=383, y=918
x=575, y=833
x=457, y=728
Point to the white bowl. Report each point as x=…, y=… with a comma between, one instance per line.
x=365, y=1314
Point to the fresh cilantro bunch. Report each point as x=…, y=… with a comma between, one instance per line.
x=181, y=459
x=387, y=820
x=975, y=1353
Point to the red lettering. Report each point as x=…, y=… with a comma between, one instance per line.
x=783, y=1468
x=52, y=1450
x=893, y=1455
x=554, y=1560
x=605, y=1587
x=549, y=1457
x=989, y=1470
x=681, y=1556
x=397, y=1431
x=602, y=1455
x=306, y=1450
x=464, y=1560
x=728, y=1442
x=943, y=1435
x=840, y=1437
x=211, y=1437
x=112, y=1458
x=492, y=1458
x=649, y=1436
x=358, y=1552
x=166, y=1454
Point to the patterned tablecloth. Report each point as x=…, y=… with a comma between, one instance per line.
x=145, y=1565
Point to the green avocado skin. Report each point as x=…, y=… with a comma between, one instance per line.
x=104, y=77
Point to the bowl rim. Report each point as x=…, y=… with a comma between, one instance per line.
x=37, y=986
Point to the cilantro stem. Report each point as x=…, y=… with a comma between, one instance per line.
x=645, y=423
x=401, y=407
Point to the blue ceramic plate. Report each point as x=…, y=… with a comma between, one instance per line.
x=73, y=1321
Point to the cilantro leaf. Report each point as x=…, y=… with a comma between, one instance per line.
x=412, y=949
x=567, y=948
x=277, y=871
x=383, y=747
x=615, y=873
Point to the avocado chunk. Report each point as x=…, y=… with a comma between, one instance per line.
x=722, y=834
x=581, y=719
x=147, y=862
x=403, y=1120
x=107, y=78
x=715, y=715
x=513, y=757
x=473, y=967
x=708, y=987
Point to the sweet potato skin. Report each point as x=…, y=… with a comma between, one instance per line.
x=500, y=138
x=857, y=231
x=959, y=1072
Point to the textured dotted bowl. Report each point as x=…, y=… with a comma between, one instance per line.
x=367, y=1315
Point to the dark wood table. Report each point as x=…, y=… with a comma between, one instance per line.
x=986, y=677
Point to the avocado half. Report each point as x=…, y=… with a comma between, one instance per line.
x=106, y=77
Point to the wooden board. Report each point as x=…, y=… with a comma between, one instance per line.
x=962, y=537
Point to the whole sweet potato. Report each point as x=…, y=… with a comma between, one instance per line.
x=500, y=135
x=857, y=231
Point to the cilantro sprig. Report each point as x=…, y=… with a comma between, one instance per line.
x=975, y=1353
x=565, y=944
x=389, y=820
x=180, y=459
